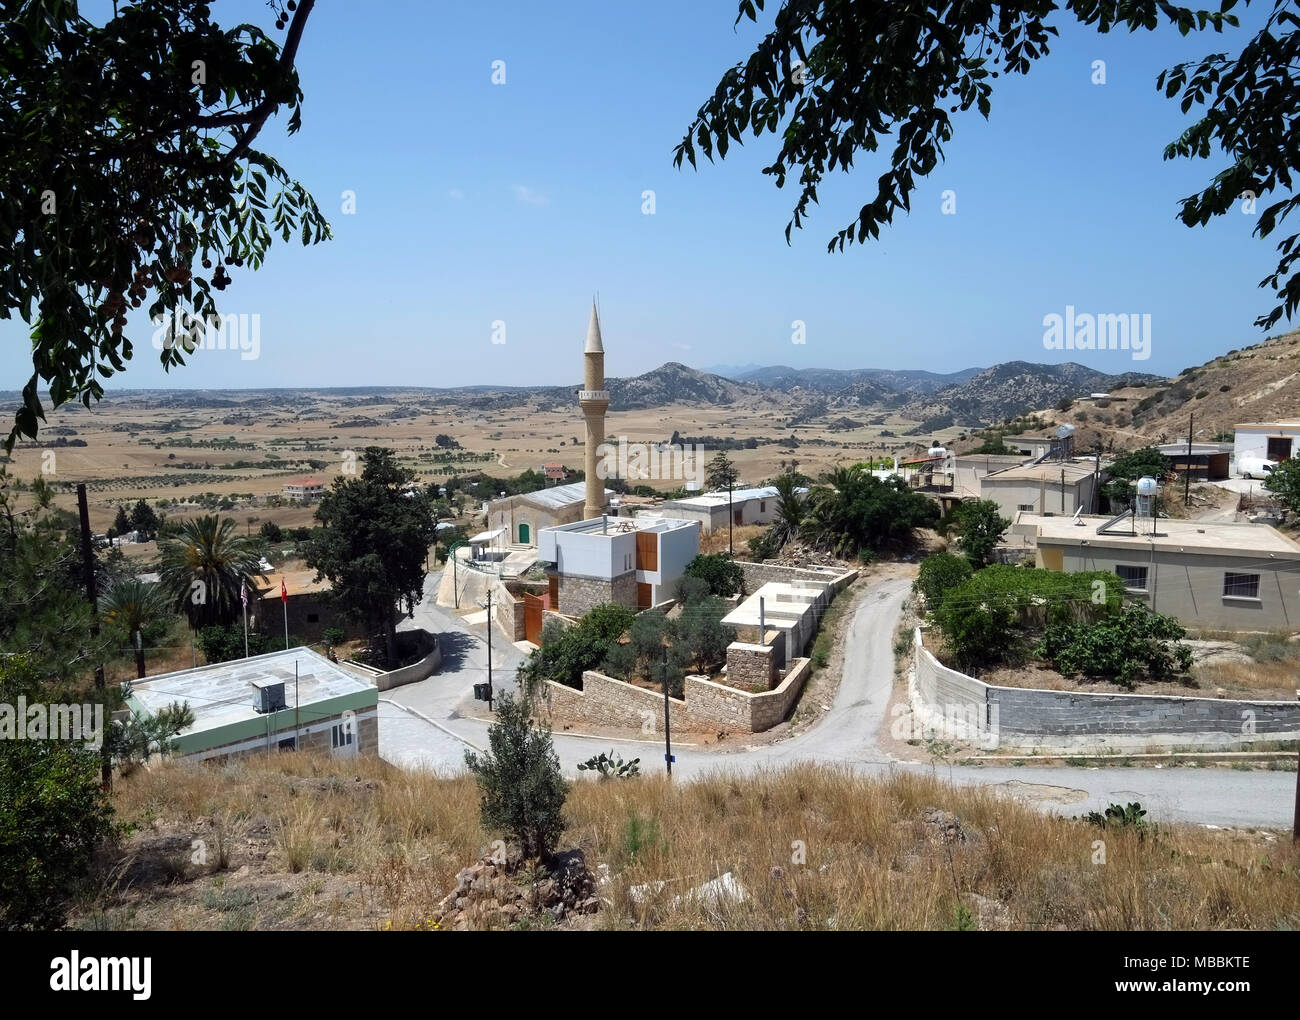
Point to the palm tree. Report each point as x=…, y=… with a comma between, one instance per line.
x=205, y=566
x=789, y=511
x=132, y=605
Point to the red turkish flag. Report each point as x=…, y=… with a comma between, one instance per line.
x=284, y=594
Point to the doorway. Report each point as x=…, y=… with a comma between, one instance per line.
x=523, y=534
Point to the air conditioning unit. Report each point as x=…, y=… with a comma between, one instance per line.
x=268, y=695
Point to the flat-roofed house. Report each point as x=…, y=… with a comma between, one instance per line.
x=631, y=561
x=283, y=701
x=1271, y=440
x=1213, y=575
x=303, y=490
x=1060, y=487
x=748, y=506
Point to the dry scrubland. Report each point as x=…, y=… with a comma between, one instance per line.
x=136, y=449
x=307, y=842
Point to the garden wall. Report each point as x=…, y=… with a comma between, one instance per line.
x=613, y=704
x=962, y=707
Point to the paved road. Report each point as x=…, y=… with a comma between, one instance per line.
x=846, y=735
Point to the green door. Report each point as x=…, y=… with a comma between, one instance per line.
x=523, y=534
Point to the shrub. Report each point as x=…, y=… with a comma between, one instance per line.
x=985, y=620
x=723, y=574
x=979, y=529
x=611, y=766
x=938, y=574
x=1122, y=647
x=567, y=652
x=522, y=790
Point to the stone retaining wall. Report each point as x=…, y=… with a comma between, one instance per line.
x=707, y=706
x=960, y=706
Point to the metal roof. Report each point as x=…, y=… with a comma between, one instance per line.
x=558, y=496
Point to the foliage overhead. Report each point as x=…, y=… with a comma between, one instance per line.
x=835, y=80
x=129, y=176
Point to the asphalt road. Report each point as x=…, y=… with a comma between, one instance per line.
x=424, y=725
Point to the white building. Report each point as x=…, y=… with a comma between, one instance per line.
x=632, y=561
x=1273, y=440
x=748, y=506
x=303, y=490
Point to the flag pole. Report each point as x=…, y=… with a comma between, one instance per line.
x=284, y=603
x=243, y=597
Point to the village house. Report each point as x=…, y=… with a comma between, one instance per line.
x=632, y=561
x=1274, y=440
x=303, y=490
x=521, y=517
x=1214, y=575
x=285, y=700
x=710, y=509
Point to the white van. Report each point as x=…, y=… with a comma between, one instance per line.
x=1250, y=466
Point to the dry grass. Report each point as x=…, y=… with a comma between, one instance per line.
x=314, y=843
x=716, y=541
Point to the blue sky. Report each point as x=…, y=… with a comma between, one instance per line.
x=478, y=203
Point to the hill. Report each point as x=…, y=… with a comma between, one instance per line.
x=303, y=841
x=1012, y=388
x=1258, y=383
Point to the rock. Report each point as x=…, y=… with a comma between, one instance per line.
x=589, y=906
x=990, y=915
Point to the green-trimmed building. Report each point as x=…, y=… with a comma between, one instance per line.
x=283, y=700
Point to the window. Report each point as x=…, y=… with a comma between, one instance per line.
x=1240, y=586
x=341, y=735
x=1026, y=506
x=1134, y=578
x=762, y=506
x=289, y=744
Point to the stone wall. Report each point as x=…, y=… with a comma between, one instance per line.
x=751, y=667
x=759, y=574
x=707, y=706
x=964, y=707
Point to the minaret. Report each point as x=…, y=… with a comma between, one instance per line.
x=593, y=398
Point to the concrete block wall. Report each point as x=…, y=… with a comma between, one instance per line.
x=1045, y=720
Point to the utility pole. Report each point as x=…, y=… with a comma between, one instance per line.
x=489, y=629
x=731, y=516
x=667, y=724
x=1187, y=475
x=88, y=567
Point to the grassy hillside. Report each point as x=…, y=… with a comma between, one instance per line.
x=1259, y=383
x=303, y=842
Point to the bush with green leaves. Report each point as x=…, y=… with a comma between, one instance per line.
x=522, y=791
x=54, y=814
x=939, y=573
x=979, y=529
x=567, y=652
x=723, y=574
x=1124, y=647
x=854, y=510
x=989, y=619
x=1284, y=482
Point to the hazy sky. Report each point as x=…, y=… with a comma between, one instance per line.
x=478, y=203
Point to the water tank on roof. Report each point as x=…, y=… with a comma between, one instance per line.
x=1146, y=497
x=937, y=451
